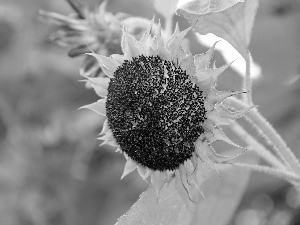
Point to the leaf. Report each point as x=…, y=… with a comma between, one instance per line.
x=223, y=195
x=169, y=210
x=229, y=19
x=166, y=7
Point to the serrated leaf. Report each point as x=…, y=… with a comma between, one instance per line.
x=229, y=19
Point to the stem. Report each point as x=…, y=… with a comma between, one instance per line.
x=269, y=133
x=247, y=81
x=290, y=177
x=256, y=146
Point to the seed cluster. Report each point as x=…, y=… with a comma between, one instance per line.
x=155, y=112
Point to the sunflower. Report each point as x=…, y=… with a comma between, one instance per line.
x=87, y=31
x=162, y=108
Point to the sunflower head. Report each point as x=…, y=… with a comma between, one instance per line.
x=162, y=108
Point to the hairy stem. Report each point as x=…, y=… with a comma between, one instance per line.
x=290, y=177
x=269, y=133
x=256, y=146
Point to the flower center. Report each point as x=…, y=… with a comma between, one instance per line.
x=155, y=112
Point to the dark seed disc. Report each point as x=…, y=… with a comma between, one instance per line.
x=155, y=112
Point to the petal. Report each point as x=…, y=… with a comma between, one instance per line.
x=98, y=107
x=225, y=113
x=188, y=65
x=107, y=136
x=175, y=46
x=108, y=62
x=163, y=52
x=125, y=47
x=219, y=135
x=158, y=34
x=119, y=58
x=202, y=60
x=146, y=40
x=158, y=179
x=215, y=96
x=89, y=67
x=216, y=119
x=100, y=81
x=176, y=32
x=217, y=158
x=129, y=167
x=202, y=150
x=134, y=45
x=99, y=84
x=144, y=172
x=211, y=74
x=105, y=127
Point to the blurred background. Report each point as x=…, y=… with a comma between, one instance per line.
x=52, y=170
